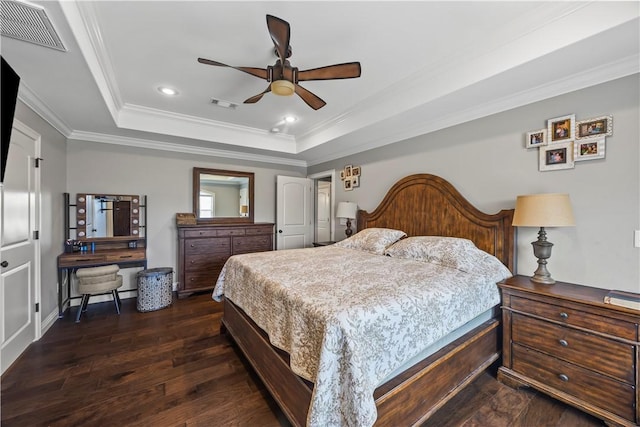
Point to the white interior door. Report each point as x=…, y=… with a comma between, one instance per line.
x=294, y=217
x=323, y=212
x=19, y=286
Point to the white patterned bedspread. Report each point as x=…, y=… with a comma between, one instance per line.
x=348, y=318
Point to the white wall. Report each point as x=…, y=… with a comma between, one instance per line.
x=166, y=179
x=487, y=162
x=53, y=184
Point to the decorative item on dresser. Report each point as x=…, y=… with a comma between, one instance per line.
x=204, y=248
x=565, y=341
x=543, y=210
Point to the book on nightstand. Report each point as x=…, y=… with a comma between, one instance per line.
x=624, y=299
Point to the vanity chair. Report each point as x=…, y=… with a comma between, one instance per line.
x=98, y=280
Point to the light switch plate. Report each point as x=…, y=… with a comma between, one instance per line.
x=636, y=238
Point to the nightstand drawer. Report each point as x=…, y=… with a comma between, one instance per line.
x=569, y=316
x=602, y=391
x=604, y=355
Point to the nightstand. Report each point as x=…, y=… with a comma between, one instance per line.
x=327, y=243
x=564, y=341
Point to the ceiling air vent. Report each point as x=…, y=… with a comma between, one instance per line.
x=29, y=23
x=223, y=104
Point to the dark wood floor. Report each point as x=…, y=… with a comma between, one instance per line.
x=171, y=367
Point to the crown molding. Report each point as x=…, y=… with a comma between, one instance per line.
x=592, y=77
x=181, y=148
x=31, y=100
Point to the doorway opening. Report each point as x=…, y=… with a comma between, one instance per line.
x=324, y=206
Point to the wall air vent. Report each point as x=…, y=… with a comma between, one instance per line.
x=29, y=23
x=223, y=104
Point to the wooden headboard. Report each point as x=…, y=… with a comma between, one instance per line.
x=427, y=205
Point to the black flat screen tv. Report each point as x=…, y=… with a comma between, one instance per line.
x=9, y=95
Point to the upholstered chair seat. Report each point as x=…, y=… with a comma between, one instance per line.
x=97, y=281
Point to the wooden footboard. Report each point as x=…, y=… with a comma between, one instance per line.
x=408, y=399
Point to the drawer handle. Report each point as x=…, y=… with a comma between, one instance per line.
x=563, y=343
x=563, y=377
x=126, y=256
x=192, y=245
x=564, y=315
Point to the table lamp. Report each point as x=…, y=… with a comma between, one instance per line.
x=347, y=210
x=543, y=210
x=244, y=209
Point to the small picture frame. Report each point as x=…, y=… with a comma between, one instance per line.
x=589, y=149
x=347, y=184
x=355, y=171
x=347, y=171
x=599, y=126
x=355, y=181
x=342, y=175
x=536, y=138
x=556, y=156
x=561, y=129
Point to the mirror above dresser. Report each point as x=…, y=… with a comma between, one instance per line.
x=222, y=196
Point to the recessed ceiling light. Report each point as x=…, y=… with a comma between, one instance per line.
x=168, y=91
x=290, y=119
x=275, y=130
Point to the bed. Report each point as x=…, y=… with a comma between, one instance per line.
x=334, y=373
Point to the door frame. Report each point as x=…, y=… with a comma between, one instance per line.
x=315, y=177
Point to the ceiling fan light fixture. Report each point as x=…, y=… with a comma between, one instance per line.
x=283, y=87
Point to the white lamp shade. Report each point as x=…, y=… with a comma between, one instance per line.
x=347, y=210
x=543, y=210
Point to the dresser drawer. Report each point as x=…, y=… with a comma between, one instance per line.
x=570, y=316
x=200, y=280
x=249, y=244
x=219, y=245
x=205, y=262
x=599, y=390
x=604, y=355
x=252, y=231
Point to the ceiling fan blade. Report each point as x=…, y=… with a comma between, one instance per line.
x=349, y=70
x=311, y=99
x=257, y=97
x=280, y=32
x=258, y=72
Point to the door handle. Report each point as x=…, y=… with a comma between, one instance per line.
x=279, y=231
x=4, y=264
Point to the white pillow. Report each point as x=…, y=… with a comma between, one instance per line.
x=374, y=240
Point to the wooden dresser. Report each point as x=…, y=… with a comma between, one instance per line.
x=203, y=250
x=563, y=340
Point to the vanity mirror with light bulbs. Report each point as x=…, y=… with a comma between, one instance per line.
x=107, y=216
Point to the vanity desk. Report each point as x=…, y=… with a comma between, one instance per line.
x=107, y=229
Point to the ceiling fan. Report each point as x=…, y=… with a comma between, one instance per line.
x=283, y=77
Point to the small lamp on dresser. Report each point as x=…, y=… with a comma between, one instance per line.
x=347, y=210
x=543, y=210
